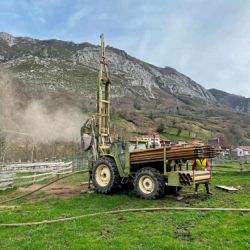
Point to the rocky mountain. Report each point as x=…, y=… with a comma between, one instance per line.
x=61, y=76
x=59, y=64
x=236, y=102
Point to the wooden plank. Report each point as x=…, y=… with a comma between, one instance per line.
x=26, y=177
x=202, y=177
x=5, y=184
x=30, y=182
x=36, y=166
x=226, y=188
x=8, y=207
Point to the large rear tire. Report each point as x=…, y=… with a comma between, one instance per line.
x=149, y=183
x=105, y=176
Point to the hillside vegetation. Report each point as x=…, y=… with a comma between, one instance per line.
x=62, y=76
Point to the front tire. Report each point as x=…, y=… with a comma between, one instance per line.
x=105, y=176
x=149, y=183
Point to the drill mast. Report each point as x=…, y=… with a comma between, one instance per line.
x=103, y=104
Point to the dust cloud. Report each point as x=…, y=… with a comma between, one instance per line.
x=35, y=117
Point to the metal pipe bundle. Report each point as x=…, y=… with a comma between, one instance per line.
x=187, y=177
x=183, y=153
x=208, y=151
x=182, y=179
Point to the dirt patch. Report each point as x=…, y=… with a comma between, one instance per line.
x=64, y=191
x=29, y=188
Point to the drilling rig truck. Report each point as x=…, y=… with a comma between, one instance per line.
x=112, y=164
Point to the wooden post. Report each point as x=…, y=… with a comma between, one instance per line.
x=210, y=170
x=241, y=167
x=193, y=180
x=34, y=175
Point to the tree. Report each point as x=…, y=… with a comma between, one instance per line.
x=151, y=115
x=173, y=123
x=137, y=106
x=2, y=143
x=160, y=128
x=2, y=146
x=179, y=131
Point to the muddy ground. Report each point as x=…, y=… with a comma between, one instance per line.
x=63, y=191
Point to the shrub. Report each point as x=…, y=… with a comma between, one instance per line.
x=160, y=128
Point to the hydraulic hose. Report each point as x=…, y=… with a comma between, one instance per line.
x=130, y=210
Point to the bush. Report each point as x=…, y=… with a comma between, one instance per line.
x=137, y=106
x=179, y=131
x=160, y=128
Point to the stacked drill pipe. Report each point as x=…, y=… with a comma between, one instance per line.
x=208, y=151
x=182, y=180
x=150, y=155
x=185, y=179
x=188, y=177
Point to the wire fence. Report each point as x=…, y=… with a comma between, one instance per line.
x=224, y=165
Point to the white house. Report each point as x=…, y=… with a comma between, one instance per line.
x=153, y=139
x=246, y=150
x=181, y=144
x=238, y=152
x=241, y=151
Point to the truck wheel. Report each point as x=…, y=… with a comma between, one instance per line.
x=149, y=183
x=105, y=176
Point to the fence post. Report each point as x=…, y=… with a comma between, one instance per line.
x=57, y=171
x=241, y=167
x=34, y=178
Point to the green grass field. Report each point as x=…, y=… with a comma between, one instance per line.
x=158, y=230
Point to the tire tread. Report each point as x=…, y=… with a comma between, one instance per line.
x=115, y=179
x=160, y=190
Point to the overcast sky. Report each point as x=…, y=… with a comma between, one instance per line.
x=208, y=40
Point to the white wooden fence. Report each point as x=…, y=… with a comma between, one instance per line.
x=16, y=175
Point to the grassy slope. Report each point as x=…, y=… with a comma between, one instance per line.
x=196, y=120
x=163, y=230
